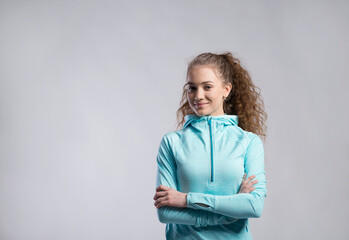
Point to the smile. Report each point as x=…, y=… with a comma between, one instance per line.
x=201, y=104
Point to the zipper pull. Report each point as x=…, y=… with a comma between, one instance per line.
x=209, y=119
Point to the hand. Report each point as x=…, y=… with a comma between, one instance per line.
x=166, y=196
x=246, y=186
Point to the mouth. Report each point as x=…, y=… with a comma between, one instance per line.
x=200, y=104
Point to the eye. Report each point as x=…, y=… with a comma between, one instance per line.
x=191, y=88
x=208, y=87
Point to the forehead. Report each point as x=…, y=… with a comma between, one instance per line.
x=203, y=73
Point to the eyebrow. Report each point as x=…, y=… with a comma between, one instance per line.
x=191, y=83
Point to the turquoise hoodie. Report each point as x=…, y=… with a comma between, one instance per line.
x=207, y=159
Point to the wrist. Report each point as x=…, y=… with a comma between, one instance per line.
x=186, y=199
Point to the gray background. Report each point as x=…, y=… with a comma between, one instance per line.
x=88, y=88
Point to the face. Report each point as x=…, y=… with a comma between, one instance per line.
x=206, y=91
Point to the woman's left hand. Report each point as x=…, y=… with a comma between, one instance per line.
x=166, y=196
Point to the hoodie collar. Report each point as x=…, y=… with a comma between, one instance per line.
x=225, y=119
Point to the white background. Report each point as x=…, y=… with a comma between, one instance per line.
x=88, y=88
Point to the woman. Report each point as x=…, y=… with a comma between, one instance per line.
x=202, y=190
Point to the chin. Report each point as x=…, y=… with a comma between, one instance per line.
x=202, y=112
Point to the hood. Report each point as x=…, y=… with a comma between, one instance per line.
x=224, y=119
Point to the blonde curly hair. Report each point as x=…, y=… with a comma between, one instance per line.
x=244, y=99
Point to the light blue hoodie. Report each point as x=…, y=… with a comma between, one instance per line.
x=207, y=159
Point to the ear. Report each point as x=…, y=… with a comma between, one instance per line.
x=227, y=88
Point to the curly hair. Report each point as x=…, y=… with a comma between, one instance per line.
x=244, y=99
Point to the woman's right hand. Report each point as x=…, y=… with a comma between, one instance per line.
x=246, y=185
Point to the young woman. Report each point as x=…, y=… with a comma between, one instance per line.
x=205, y=170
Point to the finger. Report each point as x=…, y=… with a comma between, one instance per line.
x=163, y=203
x=248, y=188
x=251, y=183
x=157, y=202
x=159, y=194
x=160, y=205
x=244, y=176
x=162, y=188
x=254, y=181
x=251, y=189
x=160, y=202
x=250, y=177
x=155, y=196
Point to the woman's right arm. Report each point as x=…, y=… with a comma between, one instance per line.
x=166, y=175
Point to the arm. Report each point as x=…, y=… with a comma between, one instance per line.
x=166, y=175
x=243, y=205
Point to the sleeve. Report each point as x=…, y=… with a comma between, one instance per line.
x=166, y=175
x=242, y=205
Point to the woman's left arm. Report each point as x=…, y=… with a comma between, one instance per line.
x=242, y=205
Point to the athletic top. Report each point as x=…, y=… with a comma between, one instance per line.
x=207, y=160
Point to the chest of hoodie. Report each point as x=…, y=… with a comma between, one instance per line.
x=210, y=158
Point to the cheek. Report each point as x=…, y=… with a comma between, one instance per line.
x=213, y=97
x=189, y=97
x=218, y=96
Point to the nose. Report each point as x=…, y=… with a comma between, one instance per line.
x=199, y=94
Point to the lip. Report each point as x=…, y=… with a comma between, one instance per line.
x=200, y=104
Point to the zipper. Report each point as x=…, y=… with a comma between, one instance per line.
x=211, y=145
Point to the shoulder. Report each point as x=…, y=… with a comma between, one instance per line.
x=254, y=143
x=252, y=136
x=171, y=138
x=248, y=139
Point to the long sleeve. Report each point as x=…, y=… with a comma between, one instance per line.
x=166, y=175
x=242, y=205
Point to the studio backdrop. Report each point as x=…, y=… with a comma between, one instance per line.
x=88, y=88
